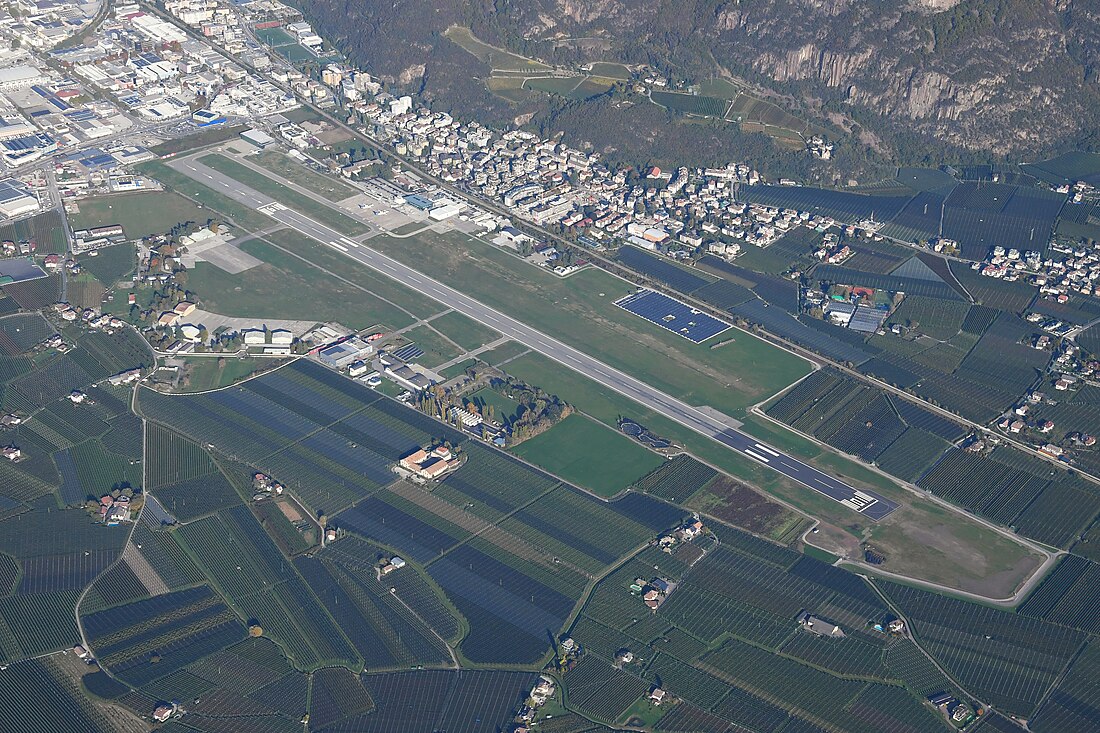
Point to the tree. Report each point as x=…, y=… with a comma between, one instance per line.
x=255, y=630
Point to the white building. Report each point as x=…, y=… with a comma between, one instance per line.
x=16, y=199
x=14, y=78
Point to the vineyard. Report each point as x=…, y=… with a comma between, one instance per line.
x=934, y=317
x=263, y=586
x=1009, y=659
x=384, y=632
x=1041, y=502
x=1073, y=702
x=149, y=639
x=18, y=333
x=676, y=480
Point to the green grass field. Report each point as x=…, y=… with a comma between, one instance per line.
x=285, y=195
x=505, y=407
x=719, y=88
x=590, y=455
x=220, y=205
x=610, y=70
x=205, y=373
x=140, y=214
x=464, y=331
x=561, y=86
x=331, y=187
x=579, y=311
x=286, y=287
x=504, y=352
x=436, y=349
x=455, y=369
x=110, y=264
x=403, y=297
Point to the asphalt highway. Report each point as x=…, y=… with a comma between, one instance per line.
x=869, y=504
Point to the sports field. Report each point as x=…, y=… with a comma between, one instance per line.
x=588, y=454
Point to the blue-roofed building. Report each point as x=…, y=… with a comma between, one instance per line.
x=421, y=203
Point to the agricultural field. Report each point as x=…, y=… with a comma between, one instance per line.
x=1010, y=660
x=110, y=264
x=691, y=104
x=496, y=58
x=20, y=332
x=391, y=630
x=45, y=230
x=262, y=587
x=749, y=592
x=590, y=455
x=935, y=318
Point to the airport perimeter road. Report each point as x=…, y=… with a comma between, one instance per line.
x=869, y=504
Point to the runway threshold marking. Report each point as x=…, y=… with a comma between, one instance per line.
x=757, y=456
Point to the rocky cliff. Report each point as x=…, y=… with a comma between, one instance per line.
x=1020, y=78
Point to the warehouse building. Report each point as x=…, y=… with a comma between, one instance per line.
x=16, y=199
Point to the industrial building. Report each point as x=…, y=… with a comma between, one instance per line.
x=259, y=138
x=15, y=78
x=345, y=353
x=16, y=199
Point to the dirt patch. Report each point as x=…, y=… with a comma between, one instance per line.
x=835, y=540
x=731, y=501
x=945, y=548
x=289, y=511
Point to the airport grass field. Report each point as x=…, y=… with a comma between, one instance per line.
x=286, y=287
x=284, y=194
x=728, y=377
x=140, y=214
x=589, y=454
x=331, y=187
x=463, y=330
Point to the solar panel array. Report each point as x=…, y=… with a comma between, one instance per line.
x=673, y=315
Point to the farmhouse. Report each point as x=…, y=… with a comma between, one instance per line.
x=430, y=465
x=820, y=626
x=12, y=453
x=395, y=563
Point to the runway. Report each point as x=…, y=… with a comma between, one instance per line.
x=867, y=503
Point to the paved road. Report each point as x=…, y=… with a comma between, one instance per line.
x=869, y=504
